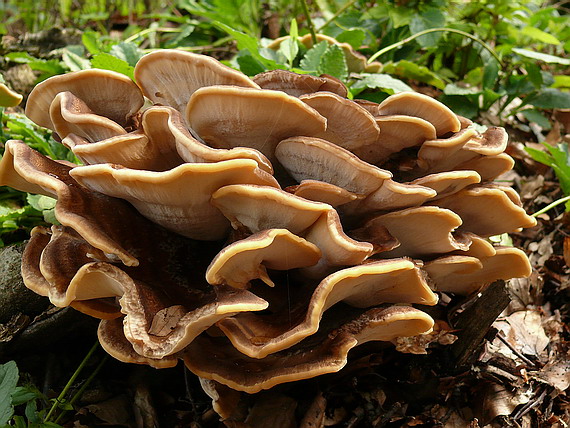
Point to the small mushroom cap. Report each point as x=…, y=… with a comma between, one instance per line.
x=448, y=183
x=348, y=125
x=106, y=93
x=8, y=97
x=298, y=84
x=228, y=116
x=319, y=191
x=170, y=77
x=178, y=199
x=70, y=114
x=215, y=358
x=245, y=260
x=316, y=159
x=422, y=106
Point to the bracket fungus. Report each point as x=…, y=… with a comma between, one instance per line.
x=345, y=214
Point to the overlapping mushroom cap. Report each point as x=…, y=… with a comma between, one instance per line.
x=258, y=228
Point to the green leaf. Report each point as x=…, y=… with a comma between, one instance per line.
x=379, y=81
x=401, y=16
x=537, y=117
x=354, y=37
x=312, y=58
x=90, y=40
x=461, y=104
x=550, y=59
x=333, y=62
x=248, y=64
x=23, y=394
x=453, y=89
x=128, y=52
x=550, y=98
x=534, y=74
x=540, y=35
x=540, y=156
x=490, y=74
x=109, y=62
x=413, y=71
x=430, y=18
x=8, y=380
x=185, y=31
x=74, y=61
x=290, y=47
x=561, y=81
x=41, y=202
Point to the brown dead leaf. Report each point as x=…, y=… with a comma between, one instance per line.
x=114, y=411
x=315, y=416
x=496, y=400
x=524, y=332
x=566, y=252
x=556, y=374
x=441, y=334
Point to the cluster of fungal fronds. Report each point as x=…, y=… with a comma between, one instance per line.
x=258, y=228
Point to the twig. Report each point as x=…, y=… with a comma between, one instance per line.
x=337, y=14
x=503, y=339
x=309, y=21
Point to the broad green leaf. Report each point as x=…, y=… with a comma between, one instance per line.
x=41, y=202
x=401, y=16
x=538, y=118
x=312, y=58
x=23, y=394
x=379, y=81
x=540, y=156
x=550, y=98
x=534, y=74
x=8, y=380
x=490, y=74
x=90, y=40
x=461, y=104
x=429, y=18
x=248, y=64
x=540, y=35
x=290, y=47
x=413, y=71
x=185, y=31
x=74, y=61
x=550, y=59
x=354, y=37
x=333, y=62
x=561, y=81
x=128, y=52
x=109, y=62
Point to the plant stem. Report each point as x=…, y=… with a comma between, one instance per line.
x=152, y=30
x=337, y=14
x=550, y=206
x=309, y=21
x=71, y=380
x=435, y=30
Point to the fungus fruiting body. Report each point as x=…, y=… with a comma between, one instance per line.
x=197, y=225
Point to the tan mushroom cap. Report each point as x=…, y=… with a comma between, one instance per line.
x=461, y=275
x=397, y=132
x=215, y=358
x=348, y=125
x=227, y=117
x=319, y=191
x=422, y=106
x=178, y=199
x=8, y=97
x=307, y=158
x=170, y=77
x=489, y=167
x=114, y=342
x=239, y=263
x=70, y=114
x=434, y=152
x=295, y=84
x=448, y=183
x=259, y=208
x=364, y=286
x=421, y=231
x=106, y=93
x=487, y=210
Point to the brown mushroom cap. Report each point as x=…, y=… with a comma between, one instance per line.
x=319, y=191
x=448, y=183
x=170, y=77
x=215, y=358
x=422, y=106
x=489, y=167
x=106, y=93
x=348, y=125
x=227, y=117
x=298, y=84
x=364, y=286
x=178, y=199
x=239, y=263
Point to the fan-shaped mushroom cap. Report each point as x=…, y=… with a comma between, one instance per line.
x=177, y=199
x=170, y=77
x=461, y=275
x=106, y=93
x=421, y=231
x=71, y=115
x=487, y=210
x=8, y=97
x=371, y=284
x=397, y=132
x=348, y=125
x=448, y=183
x=247, y=259
x=316, y=159
x=489, y=167
x=319, y=191
x=422, y=106
x=298, y=84
x=226, y=117
x=215, y=358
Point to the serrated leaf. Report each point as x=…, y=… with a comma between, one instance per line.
x=312, y=58
x=109, y=62
x=128, y=52
x=550, y=98
x=379, y=81
x=333, y=62
x=75, y=62
x=8, y=380
x=540, y=35
x=550, y=59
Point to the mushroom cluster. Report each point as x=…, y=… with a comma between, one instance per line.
x=258, y=229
